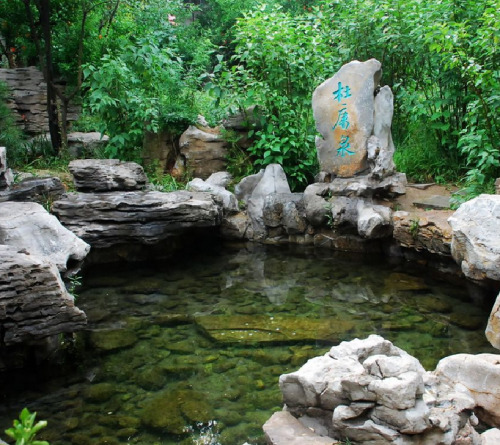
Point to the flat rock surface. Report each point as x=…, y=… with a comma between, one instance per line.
x=106, y=219
x=284, y=429
x=434, y=202
x=256, y=329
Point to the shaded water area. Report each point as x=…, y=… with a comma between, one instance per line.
x=190, y=351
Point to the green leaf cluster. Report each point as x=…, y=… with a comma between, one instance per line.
x=25, y=429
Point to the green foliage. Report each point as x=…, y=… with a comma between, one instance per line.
x=278, y=62
x=141, y=88
x=11, y=136
x=160, y=181
x=25, y=429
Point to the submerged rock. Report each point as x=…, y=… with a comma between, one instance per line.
x=260, y=328
x=111, y=339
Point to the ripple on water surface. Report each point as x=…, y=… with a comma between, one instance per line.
x=190, y=352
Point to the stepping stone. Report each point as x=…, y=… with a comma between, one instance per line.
x=434, y=202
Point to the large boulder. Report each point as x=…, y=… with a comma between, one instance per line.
x=479, y=376
x=204, y=151
x=475, y=244
x=28, y=226
x=344, y=109
x=104, y=175
x=272, y=181
x=372, y=392
x=107, y=219
x=86, y=144
x=34, y=302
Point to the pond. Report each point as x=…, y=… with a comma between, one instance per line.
x=190, y=351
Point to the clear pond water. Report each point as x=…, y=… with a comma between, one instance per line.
x=190, y=351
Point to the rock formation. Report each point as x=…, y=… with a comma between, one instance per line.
x=28, y=226
x=105, y=175
x=107, y=219
x=6, y=178
x=476, y=237
x=203, y=151
x=372, y=392
x=34, y=302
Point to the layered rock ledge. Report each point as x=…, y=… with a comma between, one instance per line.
x=107, y=219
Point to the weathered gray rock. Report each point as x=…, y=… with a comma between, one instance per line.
x=246, y=186
x=204, y=151
x=491, y=437
x=34, y=302
x=86, y=144
x=40, y=190
x=107, y=219
x=343, y=108
x=493, y=328
x=160, y=150
x=6, y=177
x=475, y=244
x=222, y=179
x=28, y=226
x=285, y=209
x=272, y=181
x=372, y=392
x=478, y=376
x=380, y=148
x=229, y=201
x=284, y=429
x=431, y=233
x=236, y=226
x=374, y=221
x=104, y=175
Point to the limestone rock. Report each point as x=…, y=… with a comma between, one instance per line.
x=40, y=190
x=34, y=302
x=204, y=151
x=284, y=429
x=285, y=209
x=476, y=237
x=107, y=219
x=380, y=148
x=222, y=179
x=491, y=437
x=374, y=221
x=6, y=177
x=343, y=108
x=103, y=175
x=431, y=233
x=236, y=226
x=479, y=375
x=493, y=328
x=26, y=225
x=370, y=391
x=229, y=201
x=246, y=186
x=86, y=144
x=272, y=181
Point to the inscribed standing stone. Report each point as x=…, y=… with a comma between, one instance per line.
x=343, y=108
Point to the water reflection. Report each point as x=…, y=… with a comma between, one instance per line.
x=190, y=351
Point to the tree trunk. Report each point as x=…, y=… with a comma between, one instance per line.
x=54, y=128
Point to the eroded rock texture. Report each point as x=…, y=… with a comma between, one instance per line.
x=34, y=302
x=107, y=219
x=372, y=392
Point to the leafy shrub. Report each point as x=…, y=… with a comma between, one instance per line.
x=25, y=429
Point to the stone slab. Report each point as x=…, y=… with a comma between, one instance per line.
x=434, y=202
x=263, y=329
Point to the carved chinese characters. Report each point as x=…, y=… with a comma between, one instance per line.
x=343, y=109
